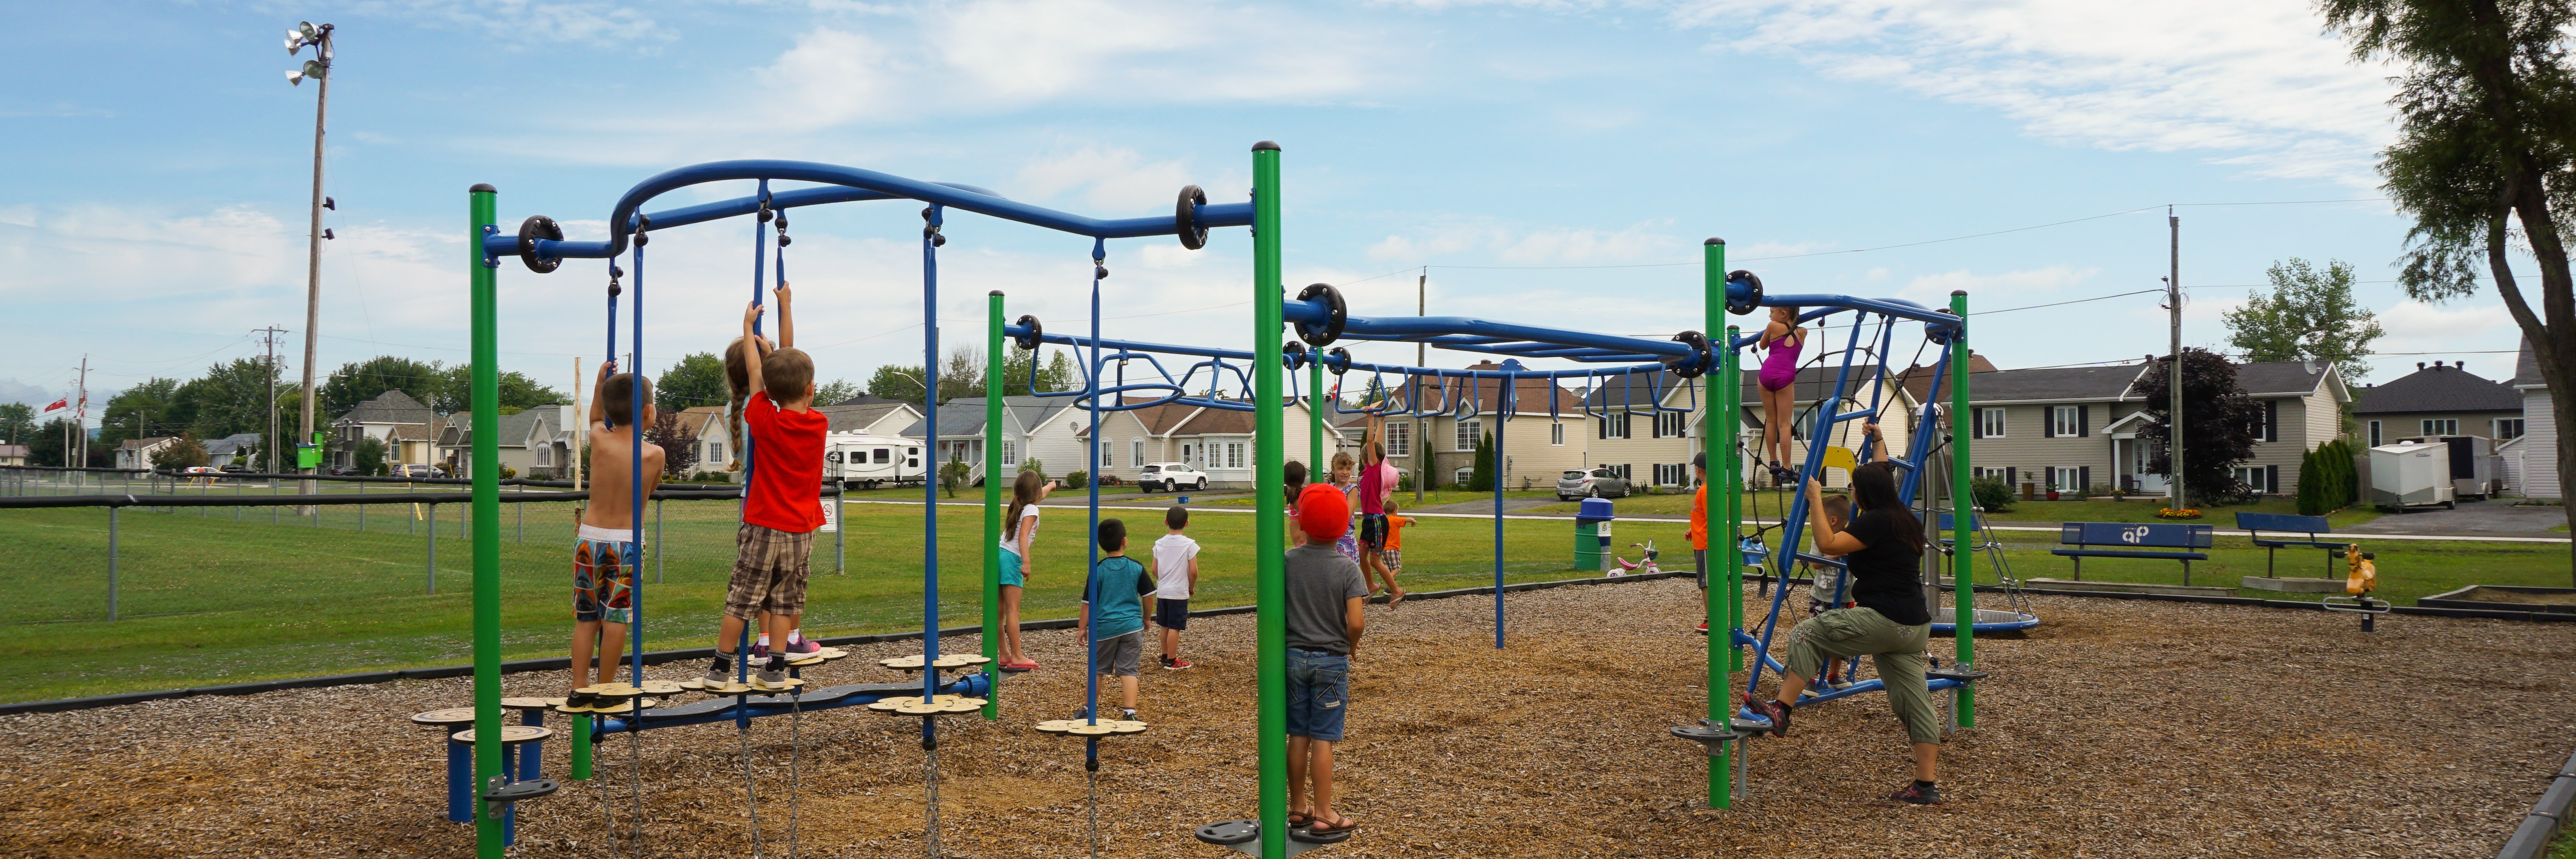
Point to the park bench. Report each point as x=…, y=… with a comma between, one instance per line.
x=2148, y=540
x=2284, y=523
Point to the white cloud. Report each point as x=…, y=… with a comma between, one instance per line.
x=1116, y=181
x=531, y=22
x=1638, y=243
x=2258, y=81
x=2483, y=335
x=1934, y=289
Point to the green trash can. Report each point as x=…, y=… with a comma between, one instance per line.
x=1592, y=535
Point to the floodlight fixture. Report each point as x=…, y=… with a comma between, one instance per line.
x=294, y=43
x=294, y=77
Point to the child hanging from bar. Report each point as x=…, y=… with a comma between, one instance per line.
x=737, y=365
x=1829, y=586
x=605, y=552
x=782, y=503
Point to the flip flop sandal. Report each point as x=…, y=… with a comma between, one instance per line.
x=1318, y=827
x=1297, y=820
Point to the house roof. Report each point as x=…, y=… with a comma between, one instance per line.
x=2283, y=378
x=964, y=416
x=390, y=407
x=146, y=443
x=232, y=443
x=2054, y=383
x=13, y=450
x=872, y=400
x=419, y=432
x=2526, y=369
x=1170, y=419
x=2438, y=388
x=1917, y=380
x=850, y=415
x=1529, y=395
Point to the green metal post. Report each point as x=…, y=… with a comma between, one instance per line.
x=486, y=524
x=1732, y=377
x=1963, y=562
x=1718, y=607
x=1270, y=528
x=1316, y=469
x=580, y=748
x=997, y=377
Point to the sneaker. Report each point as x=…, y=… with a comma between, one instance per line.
x=802, y=648
x=1772, y=711
x=1919, y=793
x=771, y=676
x=719, y=672
x=1178, y=664
x=1127, y=715
x=759, y=652
x=1838, y=682
x=1703, y=627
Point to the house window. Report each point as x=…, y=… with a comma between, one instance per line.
x=1234, y=454
x=2064, y=479
x=1669, y=424
x=2441, y=426
x=715, y=453
x=1984, y=472
x=1990, y=423
x=1010, y=453
x=2507, y=429
x=1669, y=474
x=2065, y=420
x=1614, y=424
x=1135, y=451
x=2374, y=433
x=1620, y=470
x=1399, y=439
x=2253, y=478
x=1468, y=433
x=1104, y=455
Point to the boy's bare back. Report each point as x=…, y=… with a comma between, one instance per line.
x=612, y=461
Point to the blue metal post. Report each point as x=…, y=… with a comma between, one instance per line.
x=635, y=421
x=930, y=482
x=1091, y=457
x=1502, y=415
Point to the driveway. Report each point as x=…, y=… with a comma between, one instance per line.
x=2473, y=518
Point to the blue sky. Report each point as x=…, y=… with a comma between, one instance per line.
x=152, y=209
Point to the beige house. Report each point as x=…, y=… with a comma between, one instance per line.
x=536, y=443
x=1895, y=408
x=13, y=454
x=409, y=430
x=2069, y=429
x=1214, y=440
x=1544, y=436
x=2437, y=400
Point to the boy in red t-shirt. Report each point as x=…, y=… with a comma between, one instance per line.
x=782, y=503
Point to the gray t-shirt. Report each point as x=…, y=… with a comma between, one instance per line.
x=1320, y=581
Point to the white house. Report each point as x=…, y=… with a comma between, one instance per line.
x=1214, y=440
x=137, y=452
x=2531, y=461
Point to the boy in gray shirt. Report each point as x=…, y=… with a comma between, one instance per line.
x=1324, y=591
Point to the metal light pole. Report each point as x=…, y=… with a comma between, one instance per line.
x=2173, y=306
x=319, y=69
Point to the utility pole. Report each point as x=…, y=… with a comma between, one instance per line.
x=269, y=338
x=1421, y=426
x=319, y=69
x=2173, y=316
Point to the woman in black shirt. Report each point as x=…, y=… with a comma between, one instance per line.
x=1884, y=550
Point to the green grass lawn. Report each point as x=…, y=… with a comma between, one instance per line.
x=1770, y=504
x=207, y=599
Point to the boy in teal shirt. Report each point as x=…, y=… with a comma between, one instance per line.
x=1115, y=598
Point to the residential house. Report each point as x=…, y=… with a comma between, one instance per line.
x=867, y=415
x=410, y=431
x=1546, y=433
x=2068, y=429
x=2531, y=459
x=1032, y=426
x=1862, y=392
x=13, y=454
x=2436, y=400
x=137, y=452
x=714, y=443
x=536, y=443
x=223, y=451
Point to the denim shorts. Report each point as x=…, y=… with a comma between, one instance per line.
x=1319, y=694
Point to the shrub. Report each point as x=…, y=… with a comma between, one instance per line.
x=508, y=472
x=1035, y=464
x=953, y=475
x=1992, y=494
x=1076, y=480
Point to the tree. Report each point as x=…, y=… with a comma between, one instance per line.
x=2310, y=315
x=964, y=375
x=1016, y=368
x=45, y=446
x=370, y=455
x=2484, y=144
x=360, y=381
x=17, y=422
x=1480, y=477
x=679, y=444
x=2218, y=423
x=835, y=391
x=697, y=379
x=897, y=382
x=455, y=393
x=141, y=411
x=232, y=397
x=185, y=452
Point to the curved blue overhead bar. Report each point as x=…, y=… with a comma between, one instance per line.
x=849, y=184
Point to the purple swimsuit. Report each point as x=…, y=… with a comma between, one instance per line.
x=1780, y=366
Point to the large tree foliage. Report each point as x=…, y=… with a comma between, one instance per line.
x=2218, y=423
x=2485, y=160
x=697, y=380
x=186, y=452
x=232, y=397
x=2309, y=315
x=45, y=446
x=360, y=381
x=455, y=393
x=141, y=411
x=17, y=422
x=1016, y=368
x=962, y=375
x=678, y=441
x=835, y=391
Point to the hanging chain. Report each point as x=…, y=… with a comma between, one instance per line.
x=931, y=749
x=750, y=800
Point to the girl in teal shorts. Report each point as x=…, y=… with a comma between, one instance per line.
x=1019, y=533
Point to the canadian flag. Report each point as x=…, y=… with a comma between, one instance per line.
x=59, y=405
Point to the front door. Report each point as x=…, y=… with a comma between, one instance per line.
x=2144, y=481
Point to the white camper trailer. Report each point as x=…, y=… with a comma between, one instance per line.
x=2412, y=474
x=870, y=461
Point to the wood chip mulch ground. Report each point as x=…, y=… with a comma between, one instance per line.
x=2118, y=729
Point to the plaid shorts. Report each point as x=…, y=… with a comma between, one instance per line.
x=768, y=572
x=1393, y=559
x=603, y=580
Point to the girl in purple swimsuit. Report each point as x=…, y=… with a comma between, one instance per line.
x=1786, y=341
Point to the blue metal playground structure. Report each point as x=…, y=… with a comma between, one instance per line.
x=1263, y=384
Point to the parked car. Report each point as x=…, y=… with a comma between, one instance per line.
x=236, y=468
x=416, y=471
x=1596, y=483
x=1168, y=476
